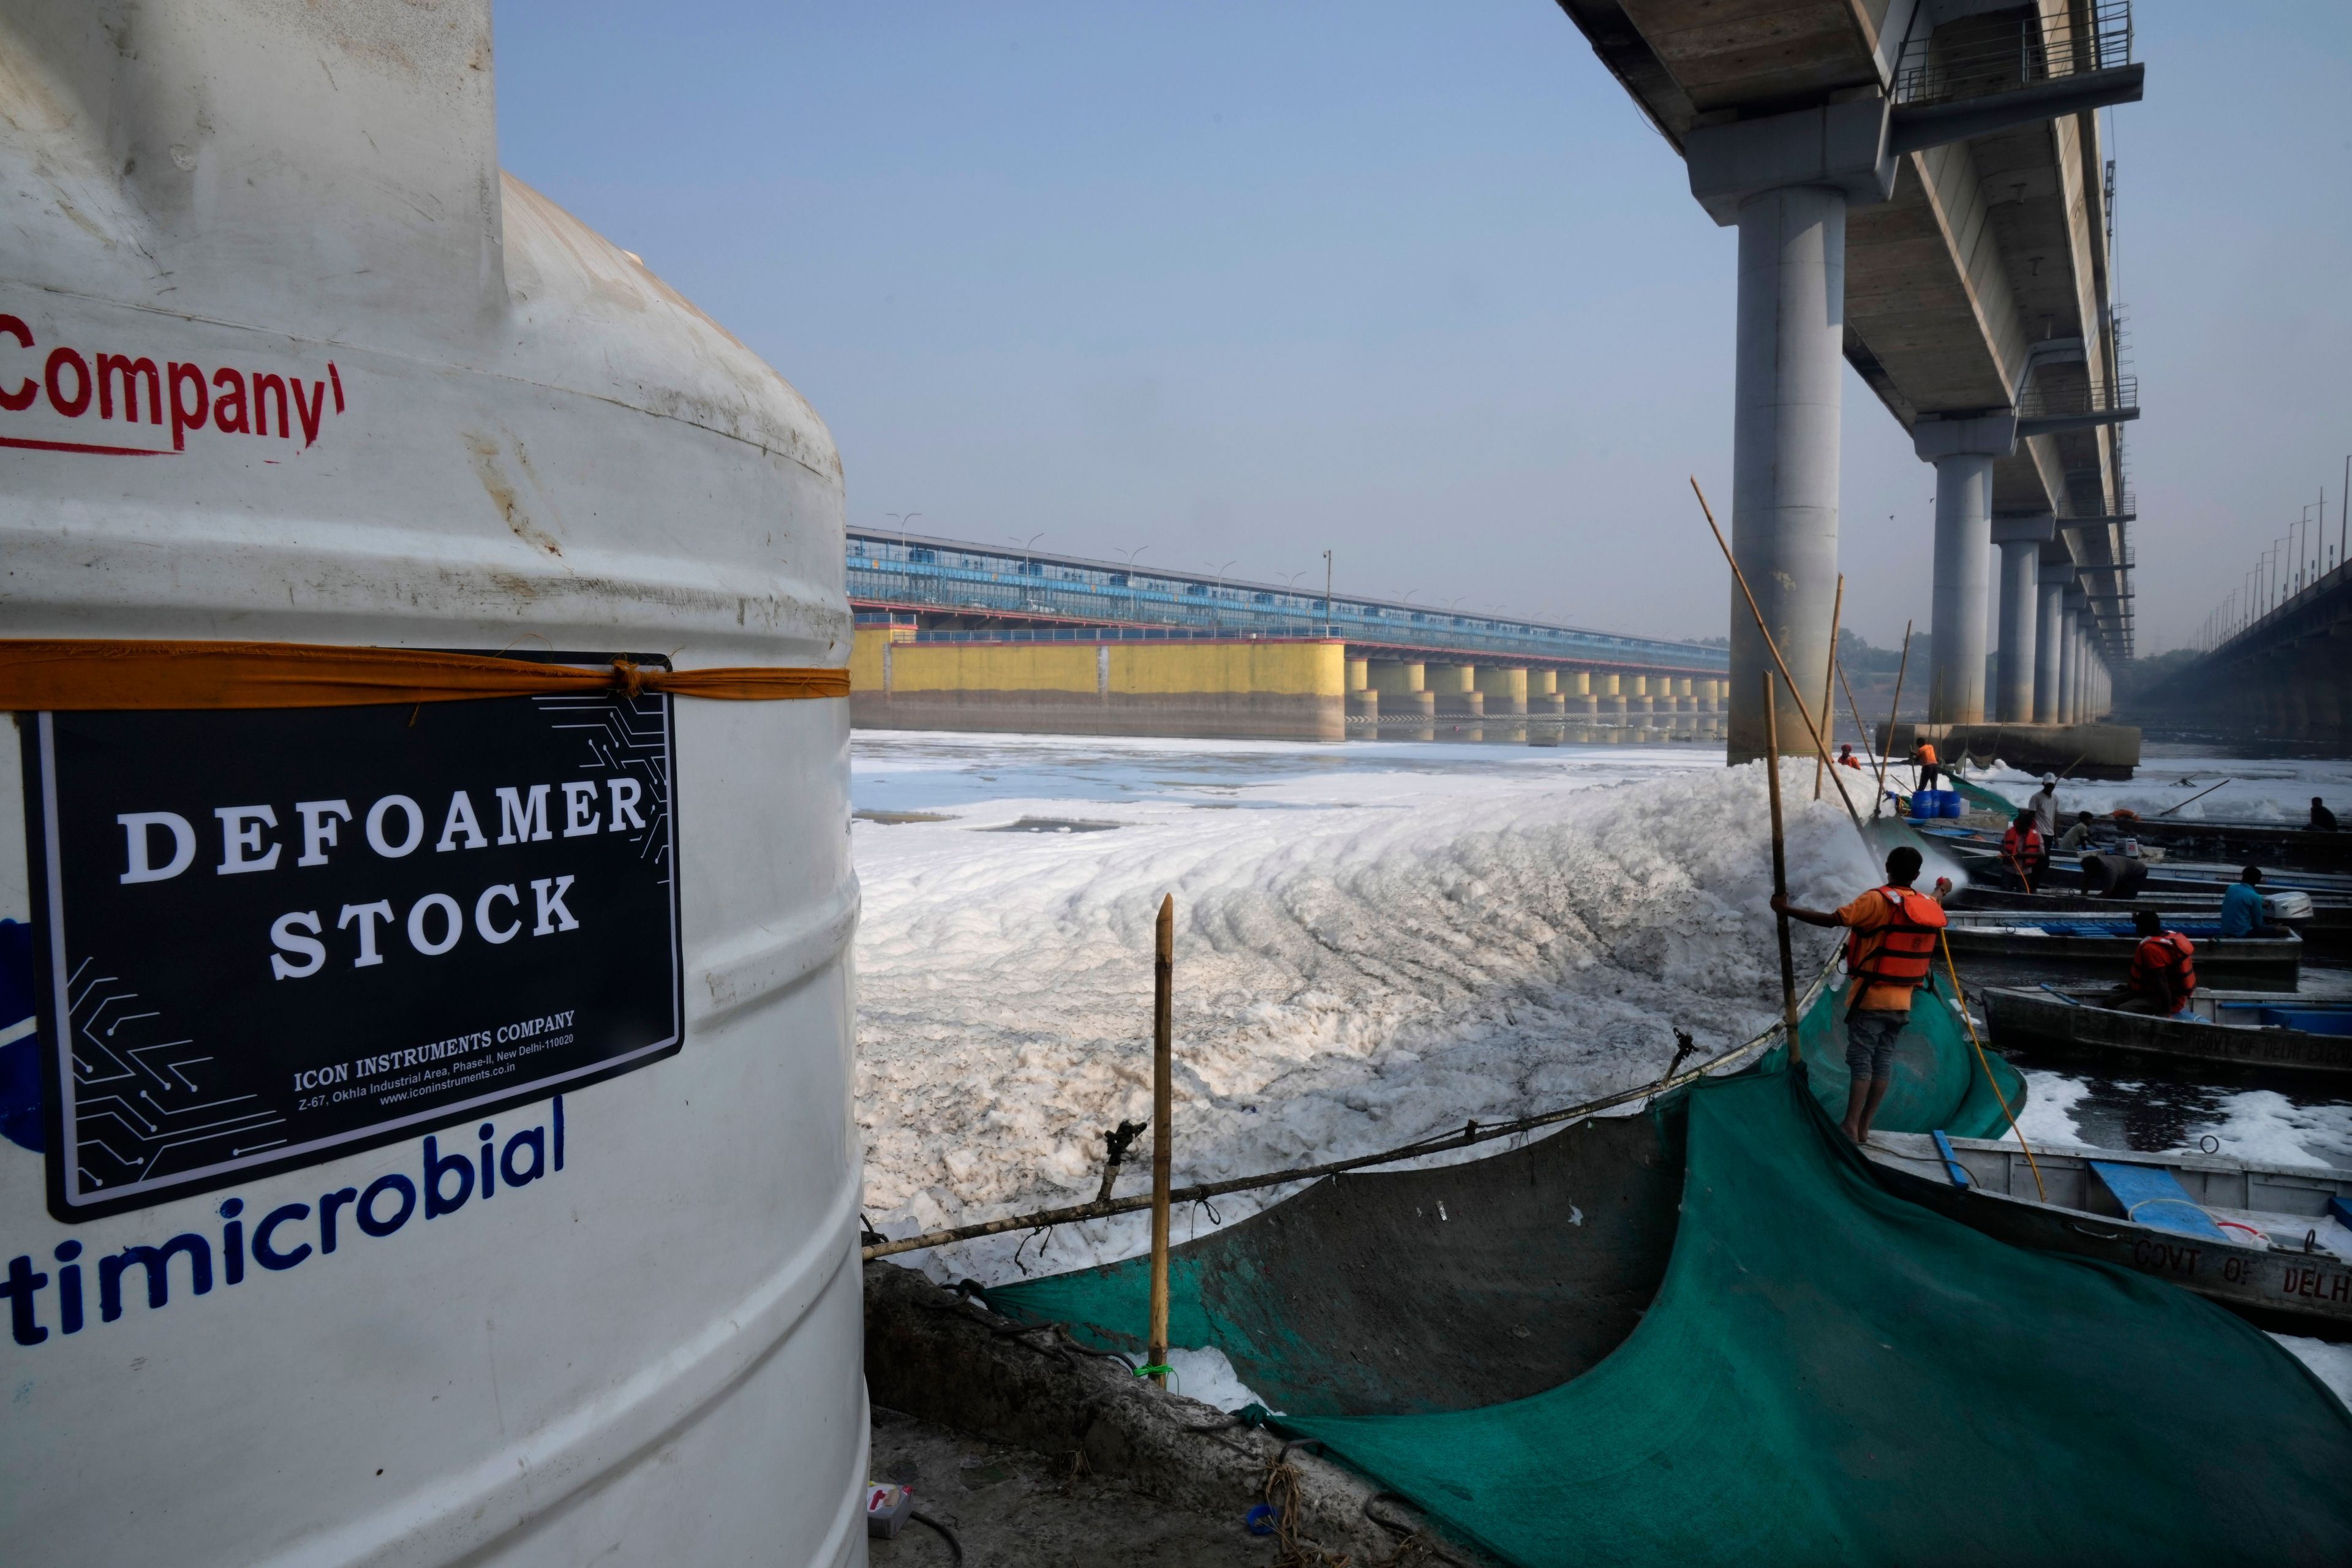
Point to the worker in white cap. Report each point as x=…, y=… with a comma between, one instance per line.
x=2043, y=805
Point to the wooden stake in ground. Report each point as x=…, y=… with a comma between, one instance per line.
x=1780, y=866
x=1164, y=1095
x=1829, y=690
x=1887, y=754
x=1771, y=647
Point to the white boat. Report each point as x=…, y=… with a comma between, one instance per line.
x=2269, y=1240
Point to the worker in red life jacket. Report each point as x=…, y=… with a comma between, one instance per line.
x=2024, y=851
x=2163, y=971
x=1846, y=759
x=1890, y=950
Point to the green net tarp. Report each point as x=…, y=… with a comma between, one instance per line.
x=1983, y=799
x=1705, y=1334
x=1832, y=1374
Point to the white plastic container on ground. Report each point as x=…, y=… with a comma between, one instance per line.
x=400, y=400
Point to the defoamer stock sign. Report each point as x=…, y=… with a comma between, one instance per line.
x=267, y=938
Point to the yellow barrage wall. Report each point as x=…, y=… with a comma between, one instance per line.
x=1287, y=668
x=1224, y=688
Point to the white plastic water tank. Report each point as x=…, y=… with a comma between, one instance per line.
x=285, y=358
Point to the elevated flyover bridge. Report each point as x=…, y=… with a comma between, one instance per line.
x=952, y=634
x=1919, y=191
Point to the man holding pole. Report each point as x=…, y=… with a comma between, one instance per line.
x=1891, y=932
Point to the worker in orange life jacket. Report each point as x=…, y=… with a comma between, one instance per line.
x=2024, y=851
x=1890, y=950
x=2163, y=971
x=1924, y=759
x=1846, y=759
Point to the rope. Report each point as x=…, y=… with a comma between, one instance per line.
x=1962, y=998
x=102, y=676
x=1437, y=1143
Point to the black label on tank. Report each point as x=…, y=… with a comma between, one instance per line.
x=267, y=939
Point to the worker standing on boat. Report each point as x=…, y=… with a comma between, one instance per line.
x=2044, y=804
x=2024, y=850
x=2244, y=912
x=1923, y=757
x=1890, y=951
x=2163, y=971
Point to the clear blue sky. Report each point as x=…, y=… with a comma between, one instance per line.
x=1241, y=281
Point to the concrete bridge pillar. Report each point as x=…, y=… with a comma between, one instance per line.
x=1504, y=690
x=1639, y=703
x=2049, y=639
x=1360, y=702
x=1785, y=443
x=1963, y=451
x=1543, y=694
x=1455, y=687
x=2078, y=696
x=1576, y=691
x=1609, y=702
x=2020, y=540
x=1400, y=685
x=1785, y=180
x=2070, y=644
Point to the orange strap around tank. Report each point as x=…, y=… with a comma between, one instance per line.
x=77, y=675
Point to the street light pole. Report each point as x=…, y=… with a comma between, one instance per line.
x=1217, y=596
x=1329, y=606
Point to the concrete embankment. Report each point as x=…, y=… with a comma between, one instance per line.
x=935, y=1355
x=2078, y=750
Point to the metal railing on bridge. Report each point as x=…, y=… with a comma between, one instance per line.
x=2008, y=50
x=888, y=570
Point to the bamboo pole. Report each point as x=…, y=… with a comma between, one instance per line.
x=1771, y=647
x=1893, y=711
x=1163, y=1094
x=1829, y=690
x=1860, y=729
x=1779, y=866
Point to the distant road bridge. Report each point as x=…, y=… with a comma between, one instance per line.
x=1029, y=638
x=2285, y=678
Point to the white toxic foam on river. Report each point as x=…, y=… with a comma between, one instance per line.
x=1363, y=957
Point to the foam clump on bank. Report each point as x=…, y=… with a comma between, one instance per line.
x=1347, y=980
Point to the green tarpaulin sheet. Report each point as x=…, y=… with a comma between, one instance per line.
x=1832, y=1374
x=1983, y=799
x=1705, y=1334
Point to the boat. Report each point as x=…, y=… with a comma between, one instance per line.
x=2268, y=843
x=2104, y=943
x=2241, y=1028
x=2265, y=842
x=2271, y=1241
x=1977, y=851
x=2324, y=925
